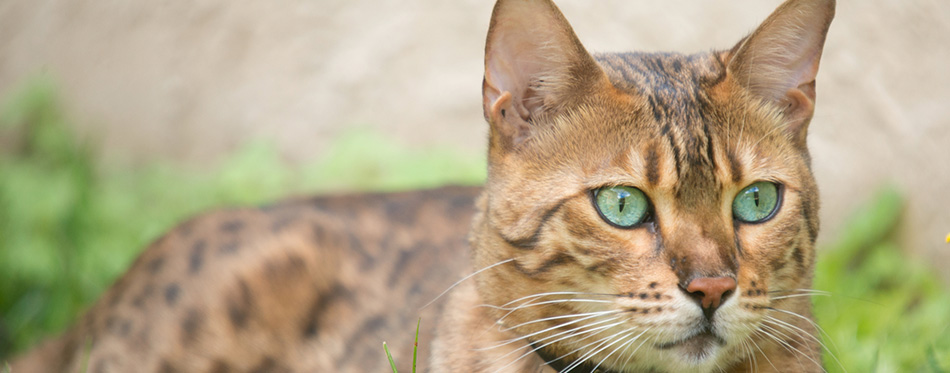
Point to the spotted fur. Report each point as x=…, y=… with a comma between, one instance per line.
x=303, y=286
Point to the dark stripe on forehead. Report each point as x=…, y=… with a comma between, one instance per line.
x=667, y=133
x=653, y=165
x=528, y=243
x=810, y=219
x=710, y=152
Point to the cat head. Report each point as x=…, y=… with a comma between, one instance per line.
x=661, y=204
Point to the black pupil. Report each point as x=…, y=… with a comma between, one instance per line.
x=622, y=196
x=755, y=196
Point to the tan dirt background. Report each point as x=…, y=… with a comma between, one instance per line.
x=192, y=80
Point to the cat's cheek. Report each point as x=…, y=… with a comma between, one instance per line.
x=765, y=247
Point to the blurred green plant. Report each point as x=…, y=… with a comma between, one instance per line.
x=885, y=312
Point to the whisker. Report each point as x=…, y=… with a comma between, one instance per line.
x=624, y=346
x=801, y=332
x=789, y=347
x=512, y=310
x=595, y=350
x=538, y=295
x=523, y=306
x=797, y=296
x=463, y=279
x=591, y=314
x=632, y=354
x=810, y=291
x=520, y=338
x=750, y=355
x=820, y=330
x=780, y=342
x=577, y=349
x=756, y=345
x=535, y=349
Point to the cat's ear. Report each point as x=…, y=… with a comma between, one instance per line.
x=778, y=61
x=534, y=64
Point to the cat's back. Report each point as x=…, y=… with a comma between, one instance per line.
x=304, y=285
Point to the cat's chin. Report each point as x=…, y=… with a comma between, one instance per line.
x=697, y=349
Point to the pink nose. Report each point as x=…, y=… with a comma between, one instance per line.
x=711, y=291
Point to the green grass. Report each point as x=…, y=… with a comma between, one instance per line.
x=415, y=351
x=885, y=312
x=69, y=224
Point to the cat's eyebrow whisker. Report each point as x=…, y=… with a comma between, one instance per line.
x=463, y=280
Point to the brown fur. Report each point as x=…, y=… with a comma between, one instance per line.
x=318, y=285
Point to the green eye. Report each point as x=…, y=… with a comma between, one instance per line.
x=622, y=206
x=756, y=202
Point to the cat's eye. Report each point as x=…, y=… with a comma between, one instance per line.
x=756, y=202
x=621, y=206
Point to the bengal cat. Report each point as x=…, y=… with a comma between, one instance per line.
x=644, y=212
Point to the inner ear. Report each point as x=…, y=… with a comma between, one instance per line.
x=799, y=106
x=533, y=56
x=510, y=122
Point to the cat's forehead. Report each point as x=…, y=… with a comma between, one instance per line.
x=673, y=88
x=663, y=77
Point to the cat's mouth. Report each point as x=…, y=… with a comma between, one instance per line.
x=698, y=345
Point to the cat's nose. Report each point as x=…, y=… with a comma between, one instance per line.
x=711, y=291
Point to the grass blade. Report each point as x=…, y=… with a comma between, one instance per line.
x=390, y=356
x=415, y=347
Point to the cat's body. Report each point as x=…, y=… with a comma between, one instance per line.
x=643, y=212
x=298, y=286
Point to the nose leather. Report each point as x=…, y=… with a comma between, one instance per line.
x=711, y=290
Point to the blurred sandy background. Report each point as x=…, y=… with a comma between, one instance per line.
x=192, y=81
